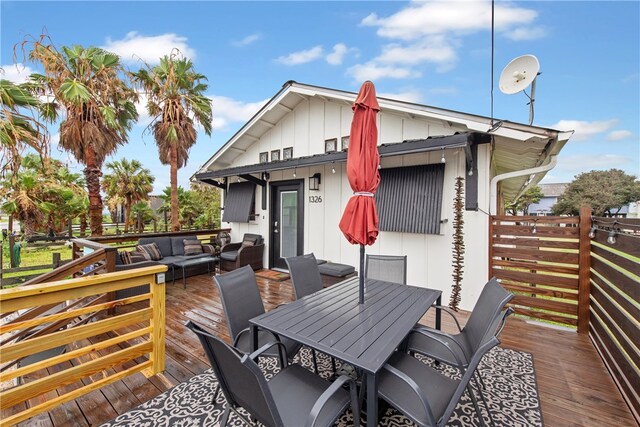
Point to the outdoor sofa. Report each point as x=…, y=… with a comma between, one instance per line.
x=171, y=251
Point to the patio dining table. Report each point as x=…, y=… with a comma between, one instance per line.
x=363, y=335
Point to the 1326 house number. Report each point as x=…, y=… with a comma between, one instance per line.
x=315, y=199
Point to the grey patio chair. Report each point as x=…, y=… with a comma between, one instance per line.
x=241, y=302
x=423, y=394
x=305, y=279
x=390, y=268
x=293, y=397
x=457, y=349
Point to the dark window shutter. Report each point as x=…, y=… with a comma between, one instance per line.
x=409, y=199
x=239, y=202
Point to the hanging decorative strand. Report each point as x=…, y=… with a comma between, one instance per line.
x=458, y=244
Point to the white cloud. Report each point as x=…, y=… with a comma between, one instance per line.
x=433, y=49
x=136, y=47
x=432, y=32
x=16, y=73
x=373, y=71
x=302, y=56
x=227, y=110
x=617, y=135
x=583, y=129
x=144, y=119
x=247, y=40
x=414, y=96
x=337, y=55
x=428, y=18
x=526, y=33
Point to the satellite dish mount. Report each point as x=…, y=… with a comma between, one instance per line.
x=518, y=75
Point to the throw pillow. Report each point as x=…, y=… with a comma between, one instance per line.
x=151, y=251
x=192, y=247
x=137, y=257
x=247, y=242
x=125, y=257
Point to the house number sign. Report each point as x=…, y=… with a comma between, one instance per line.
x=315, y=199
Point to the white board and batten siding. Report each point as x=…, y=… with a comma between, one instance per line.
x=429, y=256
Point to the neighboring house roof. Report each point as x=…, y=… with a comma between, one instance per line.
x=155, y=202
x=516, y=146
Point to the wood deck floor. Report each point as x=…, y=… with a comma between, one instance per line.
x=575, y=387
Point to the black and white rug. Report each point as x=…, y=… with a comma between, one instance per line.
x=509, y=376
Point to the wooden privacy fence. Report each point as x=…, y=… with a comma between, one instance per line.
x=71, y=356
x=614, y=325
x=537, y=258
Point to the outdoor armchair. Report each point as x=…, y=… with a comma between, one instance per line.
x=487, y=319
x=484, y=320
x=305, y=279
x=241, y=302
x=293, y=397
x=389, y=268
x=247, y=252
x=422, y=393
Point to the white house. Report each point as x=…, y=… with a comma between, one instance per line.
x=270, y=168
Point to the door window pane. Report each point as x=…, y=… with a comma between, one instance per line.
x=289, y=223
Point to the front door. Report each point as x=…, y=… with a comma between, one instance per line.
x=287, y=221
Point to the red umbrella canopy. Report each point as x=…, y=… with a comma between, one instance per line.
x=359, y=222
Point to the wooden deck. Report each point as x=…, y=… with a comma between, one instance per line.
x=575, y=387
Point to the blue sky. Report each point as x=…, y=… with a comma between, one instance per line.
x=427, y=52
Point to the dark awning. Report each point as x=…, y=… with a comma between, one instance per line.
x=238, y=202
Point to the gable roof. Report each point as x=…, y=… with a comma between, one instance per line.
x=516, y=146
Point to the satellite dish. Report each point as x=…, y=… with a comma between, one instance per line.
x=518, y=75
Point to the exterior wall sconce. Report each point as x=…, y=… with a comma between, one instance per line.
x=314, y=181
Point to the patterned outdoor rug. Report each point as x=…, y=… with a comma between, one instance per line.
x=509, y=375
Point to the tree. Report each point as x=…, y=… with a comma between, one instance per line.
x=91, y=88
x=206, y=199
x=529, y=197
x=145, y=212
x=176, y=101
x=605, y=191
x=19, y=127
x=43, y=195
x=130, y=182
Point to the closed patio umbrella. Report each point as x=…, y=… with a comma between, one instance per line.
x=359, y=222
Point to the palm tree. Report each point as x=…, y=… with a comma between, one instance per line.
x=19, y=128
x=177, y=103
x=24, y=194
x=129, y=181
x=90, y=86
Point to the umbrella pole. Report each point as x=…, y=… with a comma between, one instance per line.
x=361, y=274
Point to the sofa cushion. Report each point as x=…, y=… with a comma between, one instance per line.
x=336, y=270
x=151, y=251
x=168, y=260
x=164, y=244
x=192, y=247
x=229, y=255
x=177, y=244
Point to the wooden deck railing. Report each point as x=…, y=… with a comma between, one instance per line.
x=135, y=333
x=536, y=257
x=614, y=324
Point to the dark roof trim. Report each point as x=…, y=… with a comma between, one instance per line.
x=459, y=140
